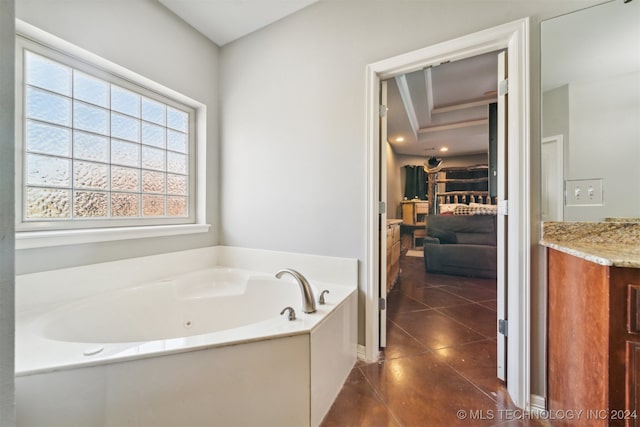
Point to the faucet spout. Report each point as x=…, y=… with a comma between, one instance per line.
x=308, y=302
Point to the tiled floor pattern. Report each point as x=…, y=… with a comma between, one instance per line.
x=439, y=367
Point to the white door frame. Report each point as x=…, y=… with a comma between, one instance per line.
x=514, y=37
x=382, y=290
x=558, y=140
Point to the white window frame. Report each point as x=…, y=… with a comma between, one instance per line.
x=55, y=233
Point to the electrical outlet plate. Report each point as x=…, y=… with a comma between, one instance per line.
x=584, y=192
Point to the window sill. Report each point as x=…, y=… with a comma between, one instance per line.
x=43, y=239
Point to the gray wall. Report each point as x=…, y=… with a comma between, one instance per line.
x=7, y=279
x=600, y=122
x=294, y=117
x=555, y=117
x=604, y=121
x=145, y=37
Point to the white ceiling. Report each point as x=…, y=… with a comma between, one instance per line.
x=457, y=94
x=224, y=21
x=414, y=105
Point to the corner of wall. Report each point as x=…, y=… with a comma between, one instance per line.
x=7, y=277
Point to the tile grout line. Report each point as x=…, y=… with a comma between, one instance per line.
x=465, y=298
x=426, y=349
x=437, y=309
x=430, y=350
x=469, y=380
x=375, y=391
x=466, y=326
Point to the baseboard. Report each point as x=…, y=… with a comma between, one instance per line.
x=361, y=352
x=538, y=404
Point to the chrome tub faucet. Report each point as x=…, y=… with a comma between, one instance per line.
x=308, y=301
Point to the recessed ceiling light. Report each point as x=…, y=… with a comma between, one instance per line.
x=399, y=139
x=443, y=149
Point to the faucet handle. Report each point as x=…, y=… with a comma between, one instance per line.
x=321, y=299
x=292, y=313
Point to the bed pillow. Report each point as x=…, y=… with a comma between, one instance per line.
x=449, y=207
x=464, y=210
x=476, y=210
x=486, y=210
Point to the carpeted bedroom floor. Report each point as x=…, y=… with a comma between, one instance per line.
x=439, y=366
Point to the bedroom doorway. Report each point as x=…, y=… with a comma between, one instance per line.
x=440, y=132
x=513, y=38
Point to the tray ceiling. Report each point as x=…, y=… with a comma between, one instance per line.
x=443, y=106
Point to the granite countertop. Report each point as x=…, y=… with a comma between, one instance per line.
x=607, y=243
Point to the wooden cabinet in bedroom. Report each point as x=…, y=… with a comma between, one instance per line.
x=414, y=212
x=393, y=252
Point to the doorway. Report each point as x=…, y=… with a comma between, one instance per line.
x=512, y=37
x=440, y=132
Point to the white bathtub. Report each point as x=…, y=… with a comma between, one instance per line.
x=206, y=347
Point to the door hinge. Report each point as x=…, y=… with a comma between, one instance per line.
x=503, y=207
x=382, y=208
x=382, y=304
x=383, y=110
x=503, y=87
x=503, y=327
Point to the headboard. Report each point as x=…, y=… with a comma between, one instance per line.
x=466, y=197
x=464, y=185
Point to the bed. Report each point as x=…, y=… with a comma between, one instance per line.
x=461, y=238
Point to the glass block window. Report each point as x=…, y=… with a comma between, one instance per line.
x=98, y=150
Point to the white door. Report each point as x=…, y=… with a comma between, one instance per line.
x=552, y=185
x=383, y=214
x=502, y=219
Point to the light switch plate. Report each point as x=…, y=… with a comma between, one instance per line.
x=584, y=192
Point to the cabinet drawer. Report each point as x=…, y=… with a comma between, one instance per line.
x=396, y=233
x=422, y=208
x=395, y=252
x=389, y=238
x=407, y=213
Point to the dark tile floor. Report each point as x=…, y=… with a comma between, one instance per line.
x=439, y=366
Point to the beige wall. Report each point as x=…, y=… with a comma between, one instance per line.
x=7, y=144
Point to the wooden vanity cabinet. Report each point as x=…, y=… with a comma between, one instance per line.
x=593, y=341
x=633, y=361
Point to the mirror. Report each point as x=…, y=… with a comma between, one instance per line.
x=591, y=113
